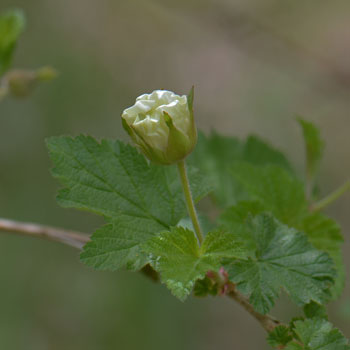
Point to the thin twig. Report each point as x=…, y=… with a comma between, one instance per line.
x=71, y=238
x=325, y=202
x=77, y=240
x=267, y=322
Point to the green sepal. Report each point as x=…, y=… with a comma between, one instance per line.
x=179, y=145
x=190, y=97
x=193, y=129
x=151, y=153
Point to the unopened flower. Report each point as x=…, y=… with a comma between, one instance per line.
x=20, y=83
x=161, y=124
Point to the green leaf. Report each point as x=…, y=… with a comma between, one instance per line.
x=325, y=234
x=205, y=287
x=112, y=179
x=11, y=26
x=314, y=147
x=313, y=309
x=235, y=220
x=205, y=223
x=259, y=152
x=317, y=334
x=279, y=337
x=283, y=259
x=181, y=262
x=215, y=155
x=275, y=189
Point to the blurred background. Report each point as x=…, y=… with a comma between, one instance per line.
x=255, y=65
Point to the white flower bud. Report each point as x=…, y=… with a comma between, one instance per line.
x=161, y=124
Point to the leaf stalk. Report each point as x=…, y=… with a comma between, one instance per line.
x=332, y=197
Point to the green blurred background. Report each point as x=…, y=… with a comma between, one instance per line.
x=255, y=65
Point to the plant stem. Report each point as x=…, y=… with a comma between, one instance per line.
x=71, y=238
x=267, y=322
x=323, y=203
x=77, y=240
x=189, y=200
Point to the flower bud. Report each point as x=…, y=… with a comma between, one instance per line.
x=20, y=83
x=161, y=124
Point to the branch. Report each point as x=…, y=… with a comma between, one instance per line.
x=267, y=322
x=71, y=238
x=77, y=240
x=325, y=202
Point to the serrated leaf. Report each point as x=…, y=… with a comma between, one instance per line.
x=235, y=219
x=205, y=223
x=317, y=334
x=11, y=26
x=283, y=259
x=204, y=287
x=259, y=152
x=279, y=337
x=274, y=190
x=325, y=234
x=314, y=147
x=315, y=310
x=112, y=179
x=215, y=155
x=181, y=262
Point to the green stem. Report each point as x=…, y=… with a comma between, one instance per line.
x=189, y=200
x=323, y=203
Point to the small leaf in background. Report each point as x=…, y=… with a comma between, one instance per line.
x=325, y=234
x=317, y=334
x=315, y=310
x=259, y=152
x=283, y=259
x=274, y=188
x=235, y=220
x=137, y=199
x=181, y=262
x=279, y=337
x=11, y=26
x=21, y=83
x=314, y=146
x=215, y=155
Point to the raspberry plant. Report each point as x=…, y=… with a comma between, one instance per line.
x=270, y=234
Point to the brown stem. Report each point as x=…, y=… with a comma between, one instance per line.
x=267, y=322
x=77, y=240
x=71, y=238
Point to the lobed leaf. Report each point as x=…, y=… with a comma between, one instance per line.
x=112, y=179
x=313, y=309
x=272, y=189
x=215, y=155
x=317, y=334
x=279, y=337
x=275, y=189
x=181, y=262
x=283, y=259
